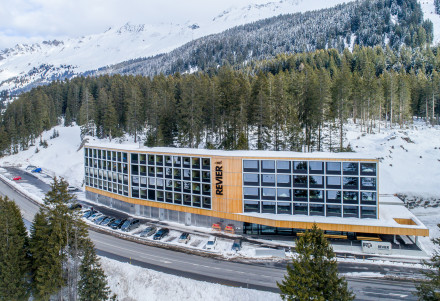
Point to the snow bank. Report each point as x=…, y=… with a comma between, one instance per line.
x=135, y=283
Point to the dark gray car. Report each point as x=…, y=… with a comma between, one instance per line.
x=150, y=230
x=130, y=224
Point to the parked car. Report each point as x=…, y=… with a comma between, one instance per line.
x=72, y=188
x=94, y=216
x=161, y=233
x=88, y=213
x=236, y=246
x=100, y=219
x=184, y=237
x=148, y=231
x=31, y=167
x=75, y=206
x=38, y=170
x=130, y=224
x=117, y=224
x=107, y=221
x=16, y=178
x=210, y=244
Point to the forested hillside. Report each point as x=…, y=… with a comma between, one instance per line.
x=294, y=102
x=365, y=23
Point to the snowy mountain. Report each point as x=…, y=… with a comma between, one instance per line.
x=25, y=66
x=152, y=47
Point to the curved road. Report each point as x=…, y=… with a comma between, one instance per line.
x=258, y=276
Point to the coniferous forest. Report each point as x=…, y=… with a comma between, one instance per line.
x=294, y=102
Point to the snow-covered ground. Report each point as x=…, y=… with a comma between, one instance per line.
x=135, y=283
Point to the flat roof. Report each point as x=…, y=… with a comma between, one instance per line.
x=134, y=147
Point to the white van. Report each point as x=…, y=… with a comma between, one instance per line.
x=210, y=244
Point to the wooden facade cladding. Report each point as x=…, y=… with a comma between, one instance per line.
x=231, y=176
x=268, y=222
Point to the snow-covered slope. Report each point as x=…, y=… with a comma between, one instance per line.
x=429, y=13
x=26, y=64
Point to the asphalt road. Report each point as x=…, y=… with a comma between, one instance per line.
x=261, y=276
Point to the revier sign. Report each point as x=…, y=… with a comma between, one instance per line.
x=376, y=247
x=219, y=178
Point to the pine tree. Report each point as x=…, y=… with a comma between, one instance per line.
x=430, y=289
x=68, y=118
x=46, y=248
x=14, y=253
x=92, y=284
x=313, y=274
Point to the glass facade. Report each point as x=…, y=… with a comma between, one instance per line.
x=310, y=187
x=179, y=180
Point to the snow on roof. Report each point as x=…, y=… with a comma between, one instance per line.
x=133, y=147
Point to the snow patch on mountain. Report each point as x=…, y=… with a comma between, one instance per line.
x=429, y=13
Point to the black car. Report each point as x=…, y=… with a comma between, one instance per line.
x=130, y=224
x=161, y=234
x=148, y=231
x=75, y=206
x=117, y=224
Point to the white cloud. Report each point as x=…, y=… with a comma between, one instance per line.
x=27, y=21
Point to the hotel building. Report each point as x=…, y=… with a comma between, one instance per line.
x=258, y=192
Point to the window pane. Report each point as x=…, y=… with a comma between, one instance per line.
x=316, y=195
x=316, y=166
x=300, y=193
x=283, y=194
x=251, y=179
x=368, y=183
x=316, y=181
x=334, y=166
x=333, y=210
x=350, y=168
x=283, y=180
x=251, y=165
x=268, y=179
x=268, y=193
x=268, y=164
x=300, y=166
x=350, y=197
x=368, y=168
x=351, y=182
x=299, y=181
x=300, y=208
x=284, y=208
x=250, y=206
x=334, y=196
x=251, y=192
x=334, y=181
x=268, y=207
x=283, y=166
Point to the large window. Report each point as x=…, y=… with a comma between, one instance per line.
x=327, y=185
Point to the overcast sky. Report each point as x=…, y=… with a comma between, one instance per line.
x=25, y=21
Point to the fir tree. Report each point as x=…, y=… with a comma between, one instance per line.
x=430, y=289
x=14, y=253
x=313, y=274
x=45, y=248
x=92, y=285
